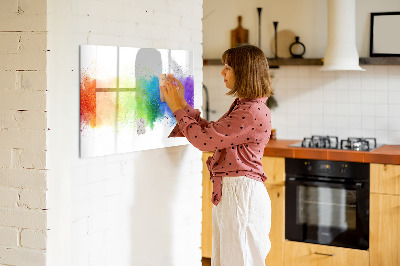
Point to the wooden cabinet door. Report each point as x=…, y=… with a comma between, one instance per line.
x=277, y=233
x=206, y=226
x=304, y=254
x=274, y=168
x=385, y=178
x=384, y=236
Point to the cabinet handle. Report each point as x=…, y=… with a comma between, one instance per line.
x=324, y=254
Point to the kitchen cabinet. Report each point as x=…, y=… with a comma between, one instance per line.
x=206, y=225
x=277, y=233
x=305, y=254
x=385, y=214
x=385, y=230
x=274, y=168
x=385, y=178
x=384, y=221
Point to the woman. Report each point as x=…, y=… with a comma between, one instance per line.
x=242, y=208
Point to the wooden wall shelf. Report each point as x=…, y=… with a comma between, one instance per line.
x=380, y=61
x=274, y=63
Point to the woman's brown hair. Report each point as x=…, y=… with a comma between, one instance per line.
x=250, y=66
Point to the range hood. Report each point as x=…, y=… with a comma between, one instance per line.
x=341, y=51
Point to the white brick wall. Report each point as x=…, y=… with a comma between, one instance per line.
x=140, y=208
x=23, y=132
x=33, y=239
x=101, y=207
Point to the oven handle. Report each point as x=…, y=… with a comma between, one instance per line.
x=357, y=185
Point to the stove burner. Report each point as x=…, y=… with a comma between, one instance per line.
x=332, y=142
x=358, y=144
x=328, y=142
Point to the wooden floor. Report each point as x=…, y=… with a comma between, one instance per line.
x=206, y=261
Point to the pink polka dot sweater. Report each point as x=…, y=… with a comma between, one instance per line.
x=238, y=139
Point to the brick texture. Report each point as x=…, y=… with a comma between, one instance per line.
x=23, y=126
x=33, y=239
x=9, y=237
x=8, y=197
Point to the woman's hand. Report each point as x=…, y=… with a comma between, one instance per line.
x=173, y=90
x=181, y=91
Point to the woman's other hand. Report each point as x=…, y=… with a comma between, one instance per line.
x=181, y=91
x=174, y=94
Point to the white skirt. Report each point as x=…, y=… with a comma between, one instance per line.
x=241, y=223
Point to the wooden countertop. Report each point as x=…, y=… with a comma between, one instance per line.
x=389, y=154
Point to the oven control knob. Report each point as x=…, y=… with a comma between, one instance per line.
x=308, y=166
x=343, y=168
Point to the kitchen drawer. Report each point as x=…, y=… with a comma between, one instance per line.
x=305, y=254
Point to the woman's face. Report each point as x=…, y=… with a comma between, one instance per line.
x=229, y=76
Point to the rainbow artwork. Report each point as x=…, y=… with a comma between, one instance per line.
x=120, y=106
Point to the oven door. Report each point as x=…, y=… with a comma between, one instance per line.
x=327, y=213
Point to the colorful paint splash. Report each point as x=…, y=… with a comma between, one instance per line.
x=122, y=109
x=188, y=83
x=88, y=101
x=120, y=106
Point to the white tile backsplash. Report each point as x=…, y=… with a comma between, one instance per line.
x=394, y=97
x=394, y=137
x=343, y=103
x=393, y=71
x=342, y=109
x=381, y=110
x=381, y=97
x=394, y=110
x=292, y=82
x=342, y=122
x=394, y=123
x=291, y=71
x=304, y=72
x=367, y=96
x=368, y=123
x=304, y=82
x=381, y=122
x=355, y=109
x=367, y=109
x=380, y=71
x=382, y=136
x=329, y=109
x=381, y=84
x=355, y=96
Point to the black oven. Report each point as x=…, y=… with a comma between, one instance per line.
x=327, y=202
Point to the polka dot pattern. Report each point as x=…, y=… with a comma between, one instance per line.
x=238, y=139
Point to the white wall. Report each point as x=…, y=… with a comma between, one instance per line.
x=311, y=102
x=306, y=19
x=23, y=133
x=141, y=208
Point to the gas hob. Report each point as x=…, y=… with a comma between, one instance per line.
x=332, y=142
